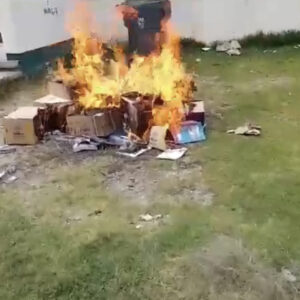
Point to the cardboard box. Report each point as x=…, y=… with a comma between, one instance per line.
x=57, y=88
x=94, y=125
x=80, y=125
x=137, y=118
x=52, y=100
x=196, y=112
x=56, y=109
x=103, y=124
x=21, y=127
x=116, y=118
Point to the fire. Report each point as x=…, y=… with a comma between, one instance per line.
x=100, y=81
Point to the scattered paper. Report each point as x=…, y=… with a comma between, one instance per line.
x=149, y=218
x=234, y=52
x=223, y=47
x=231, y=48
x=139, y=226
x=11, y=179
x=2, y=174
x=117, y=140
x=134, y=155
x=234, y=44
x=248, y=130
x=84, y=147
x=8, y=171
x=146, y=218
x=85, y=144
x=5, y=149
x=205, y=49
x=172, y=154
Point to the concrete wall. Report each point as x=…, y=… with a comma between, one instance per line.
x=211, y=20
x=31, y=24
x=2, y=53
x=25, y=26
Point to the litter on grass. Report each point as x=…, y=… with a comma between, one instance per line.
x=172, y=154
x=149, y=218
x=135, y=154
x=247, y=130
x=231, y=48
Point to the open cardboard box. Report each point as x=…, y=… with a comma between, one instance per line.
x=23, y=126
x=100, y=124
x=52, y=100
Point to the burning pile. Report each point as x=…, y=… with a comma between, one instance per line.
x=111, y=93
x=101, y=79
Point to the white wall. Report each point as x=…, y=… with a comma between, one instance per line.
x=211, y=20
x=25, y=26
x=2, y=53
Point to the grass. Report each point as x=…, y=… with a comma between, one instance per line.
x=51, y=249
x=261, y=39
x=257, y=178
x=257, y=40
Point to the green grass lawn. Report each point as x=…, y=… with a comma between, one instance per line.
x=234, y=249
x=256, y=179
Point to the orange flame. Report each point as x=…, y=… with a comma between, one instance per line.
x=97, y=78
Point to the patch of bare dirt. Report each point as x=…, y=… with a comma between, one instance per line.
x=142, y=181
x=145, y=182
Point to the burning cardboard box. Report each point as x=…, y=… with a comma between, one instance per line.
x=52, y=100
x=92, y=124
x=24, y=126
x=80, y=125
x=56, y=110
x=57, y=88
x=196, y=112
x=138, y=113
x=103, y=124
x=131, y=111
x=116, y=118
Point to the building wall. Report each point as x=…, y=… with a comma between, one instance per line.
x=31, y=24
x=2, y=53
x=211, y=20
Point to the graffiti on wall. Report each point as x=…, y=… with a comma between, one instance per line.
x=50, y=9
